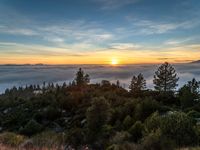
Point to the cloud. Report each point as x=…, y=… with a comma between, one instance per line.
x=115, y=4
x=35, y=50
x=21, y=76
x=18, y=31
x=124, y=46
x=54, y=39
x=149, y=27
x=181, y=41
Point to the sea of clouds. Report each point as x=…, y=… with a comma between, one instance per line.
x=13, y=75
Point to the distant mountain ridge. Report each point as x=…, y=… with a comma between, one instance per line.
x=195, y=62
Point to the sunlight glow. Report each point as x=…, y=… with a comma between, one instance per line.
x=114, y=61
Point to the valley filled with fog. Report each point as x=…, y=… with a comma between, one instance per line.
x=22, y=75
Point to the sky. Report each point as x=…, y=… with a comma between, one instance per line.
x=99, y=31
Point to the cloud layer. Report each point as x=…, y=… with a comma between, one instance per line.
x=25, y=75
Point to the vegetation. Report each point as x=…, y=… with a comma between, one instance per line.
x=102, y=116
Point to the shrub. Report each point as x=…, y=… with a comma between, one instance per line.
x=32, y=127
x=124, y=146
x=145, y=108
x=136, y=131
x=75, y=137
x=120, y=137
x=11, y=139
x=97, y=114
x=153, y=122
x=51, y=113
x=180, y=128
x=155, y=141
x=127, y=122
x=48, y=139
x=193, y=114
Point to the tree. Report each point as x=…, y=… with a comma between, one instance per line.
x=138, y=84
x=82, y=78
x=118, y=83
x=136, y=131
x=180, y=128
x=165, y=78
x=128, y=121
x=194, y=86
x=189, y=93
x=97, y=114
x=32, y=127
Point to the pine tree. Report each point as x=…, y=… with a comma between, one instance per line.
x=118, y=83
x=165, y=78
x=138, y=84
x=82, y=78
x=189, y=93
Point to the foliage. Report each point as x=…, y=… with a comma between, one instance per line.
x=156, y=141
x=81, y=78
x=136, y=131
x=11, y=139
x=153, y=122
x=179, y=128
x=138, y=84
x=103, y=115
x=32, y=127
x=165, y=78
x=97, y=114
x=145, y=108
x=189, y=93
x=128, y=121
x=48, y=139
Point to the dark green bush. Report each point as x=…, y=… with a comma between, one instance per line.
x=136, y=131
x=32, y=127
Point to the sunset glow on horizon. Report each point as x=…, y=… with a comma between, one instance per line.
x=95, y=31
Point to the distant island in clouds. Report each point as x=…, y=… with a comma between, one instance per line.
x=195, y=62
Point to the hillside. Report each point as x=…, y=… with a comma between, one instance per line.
x=195, y=62
x=100, y=116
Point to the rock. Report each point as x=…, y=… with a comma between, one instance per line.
x=83, y=121
x=28, y=144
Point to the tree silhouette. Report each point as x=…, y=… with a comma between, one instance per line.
x=189, y=93
x=81, y=78
x=165, y=78
x=138, y=83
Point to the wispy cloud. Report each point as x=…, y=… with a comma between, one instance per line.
x=115, y=4
x=18, y=31
x=124, y=46
x=175, y=42
x=35, y=50
x=148, y=27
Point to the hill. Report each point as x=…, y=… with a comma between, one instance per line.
x=100, y=116
x=195, y=62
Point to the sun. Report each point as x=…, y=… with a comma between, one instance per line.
x=114, y=61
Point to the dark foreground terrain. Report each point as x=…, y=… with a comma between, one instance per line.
x=102, y=116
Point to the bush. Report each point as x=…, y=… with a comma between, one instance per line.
x=136, y=131
x=32, y=127
x=194, y=114
x=75, y=137
x=155, y=141
x=120, y=137
x=153, y=122
x=128, y=121
x=51, y=113
x=97, y=114
x=11, y=139
x=180, y=128
x=145, y=108
x=124, y=146
x=48, y=139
